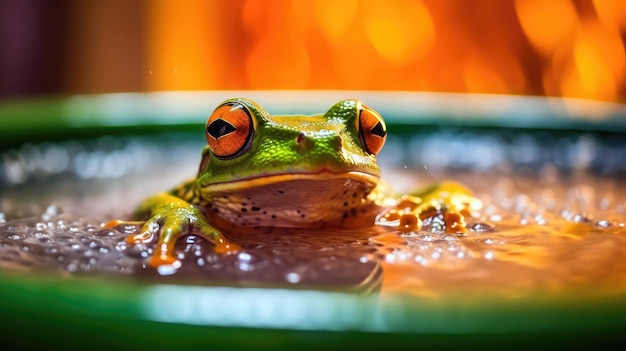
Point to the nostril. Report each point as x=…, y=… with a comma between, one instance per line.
x=338, y=143
x=300, y=138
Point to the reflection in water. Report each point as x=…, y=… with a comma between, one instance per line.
x=545, y=228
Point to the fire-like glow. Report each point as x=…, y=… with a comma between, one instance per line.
x=536, y=47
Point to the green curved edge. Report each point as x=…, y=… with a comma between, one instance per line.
x=106, y=313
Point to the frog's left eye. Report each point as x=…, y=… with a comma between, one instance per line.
x=372, y=130
x=229, y=130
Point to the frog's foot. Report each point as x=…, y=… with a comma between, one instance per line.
x=446, y=206
x=173, y=223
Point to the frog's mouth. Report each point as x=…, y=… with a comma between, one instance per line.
x=300, y=199
x=288, y=180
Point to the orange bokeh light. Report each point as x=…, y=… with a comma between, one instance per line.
x=557, y=47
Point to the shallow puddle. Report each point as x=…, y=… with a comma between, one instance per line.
x=542, y=231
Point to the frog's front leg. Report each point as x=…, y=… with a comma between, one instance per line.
x=170, y=217
x=449, y=201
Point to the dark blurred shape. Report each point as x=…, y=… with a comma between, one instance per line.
x=31, y=49
x=70, y=46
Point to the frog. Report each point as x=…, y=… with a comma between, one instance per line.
x=302, y=171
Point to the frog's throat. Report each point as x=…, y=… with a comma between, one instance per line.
x=368, y=181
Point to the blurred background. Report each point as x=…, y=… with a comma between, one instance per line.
x=571, y=48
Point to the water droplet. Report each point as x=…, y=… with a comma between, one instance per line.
x=169, y=269
x=605, y=223
x=489, y=255
x=53, y=210
x=292, y=277
x=482, y=227
x=539, y=219
x=421, y=260
x=607, y=201
x=495, y=217
x=40, y=234
x=71, y=267
x=390, y=257
x=12, y=236
x=578, y=217
x=244, y=257
x=121, y=246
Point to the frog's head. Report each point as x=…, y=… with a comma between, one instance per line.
x=290, y=160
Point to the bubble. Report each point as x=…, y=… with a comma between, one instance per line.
x=390, y=257
x=71, y=267
x=52, y=250
x=12, y=236
x=482, y=227
x=41, y=234
x=121, y=246
x=495, y=217
x=579, y=217
x=52, y=211
x=169, y=269
x=539, y=219
x=292, y=277
x=244, y=257
x=420, y=259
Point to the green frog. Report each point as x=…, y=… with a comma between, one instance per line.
x=260, y=170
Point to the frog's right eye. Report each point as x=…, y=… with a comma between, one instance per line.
x=229, y=130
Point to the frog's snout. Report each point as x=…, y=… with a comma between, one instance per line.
x=307, y=142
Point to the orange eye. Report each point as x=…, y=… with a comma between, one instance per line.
x=372, y=130
x=229, y=130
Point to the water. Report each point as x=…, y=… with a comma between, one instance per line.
x=542, y=230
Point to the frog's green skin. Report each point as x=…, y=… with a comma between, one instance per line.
x=298, y=171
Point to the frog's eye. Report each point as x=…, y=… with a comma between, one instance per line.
x=372, y=130
x=229, y=130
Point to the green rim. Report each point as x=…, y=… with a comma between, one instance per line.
x=105, y=313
